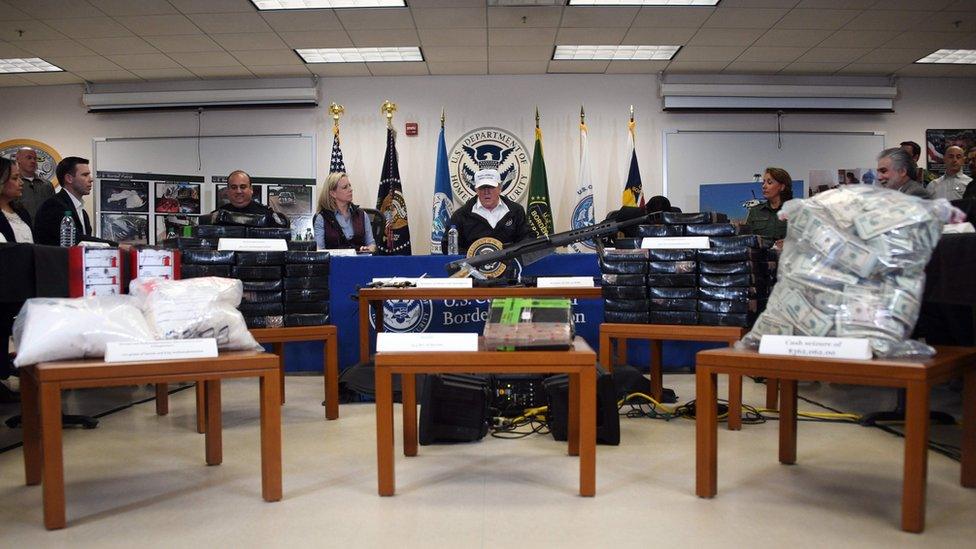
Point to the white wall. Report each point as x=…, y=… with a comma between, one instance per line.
x=55, y=115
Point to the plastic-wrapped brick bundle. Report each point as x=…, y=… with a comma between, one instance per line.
x=853, y=265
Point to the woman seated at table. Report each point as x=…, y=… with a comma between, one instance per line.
x=340, y=223
x=15, y=223
x=777, y=188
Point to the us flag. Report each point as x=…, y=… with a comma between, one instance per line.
x=337, y=164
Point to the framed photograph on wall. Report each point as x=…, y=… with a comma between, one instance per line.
x=290, y=200
x=177, y=198
x=171, y=226
x=937, y=141
x=125, y=228
x=124, y=196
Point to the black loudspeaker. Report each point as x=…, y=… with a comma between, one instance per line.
x=607, y=420
x=454, y=408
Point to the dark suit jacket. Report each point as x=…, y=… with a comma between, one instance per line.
x=5, y=228
x=47, y=226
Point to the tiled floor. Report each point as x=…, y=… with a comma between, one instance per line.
x=141, y=479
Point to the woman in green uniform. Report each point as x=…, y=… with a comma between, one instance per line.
x=777, y=188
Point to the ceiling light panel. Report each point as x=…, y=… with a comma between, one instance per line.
x=953, y=57
x=360, y=55
x=643, y=2
x=615, y=53
x=325, y=4
x=31, y=64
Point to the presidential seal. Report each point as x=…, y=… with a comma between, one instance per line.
x=488, y=245
x=489, y=148
x=405, y=315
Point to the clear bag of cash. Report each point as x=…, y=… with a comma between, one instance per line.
x=853, y=265
x=530, y=324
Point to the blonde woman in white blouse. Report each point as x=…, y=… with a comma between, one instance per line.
x=15, y=222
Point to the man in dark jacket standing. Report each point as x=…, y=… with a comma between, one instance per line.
x=488, y=214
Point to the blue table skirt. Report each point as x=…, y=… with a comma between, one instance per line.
x=348, y=273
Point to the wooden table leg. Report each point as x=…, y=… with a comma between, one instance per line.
x=573, y=415
x=771, y=392
x=587, y=430
x=408, y=386
x=270, y=437
x=386, y=483
x=706, y=432
x=331, y=378
x=916, y=457
x=657, y=364
x=363, y=329
x=201, y=394
x=214, y=435
x=606, y=351
x=968, y=477
x=31, y=422
x=787, y=421
x=621, y=350
x=162, y=399
x=279, y=349
x=52, y=462
x=735, y=402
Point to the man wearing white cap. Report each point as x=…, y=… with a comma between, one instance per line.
x=488, y=214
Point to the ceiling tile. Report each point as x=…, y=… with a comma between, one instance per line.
x=836, y=4
x=12, y=80
x=474, y=67
x=447, y=3
x=636, y=67
x=53, y=78
x=596, y=67
x=32, y=30
x=930, y=40
x=744, y=18
x=108, y=46
x=449, y=18
x=267, y=57
x=183, y=43
x=380, y=38
x=927, y=5
x=593, y=36
x=228, y=23
x=108, y=76
x=925, y=70
x=377, y=18
x=805, y=38
x=696, y=67
x=85, y=63
x=90, y=27
x=339, y=69
x=517, y=67
x=858, y=39
x=143, y=61
x=725, y=37
x=411, y=68
x=204, y=59
x=11, y=13
x=165, y=74
x=962, y=5
x=302, y=20
x=45, y=48
x=658, y=37
x=754, y=67
x=813, y=68
x=42, y=9
x=539, y=16
x=234, y=71
x=520, y=53
x=447, y=54
x=522, y=37
x=833, y=55
x=709, y=53
x=887, y=20
x=579, y=16
x=816, y=19
x=159, y=25
x=662, y=17
x=454, y=37
x=871, y=68
x=272, y=71
x=891, y=55
x=315, y=39
x=8, y=50
x=946, y=22
x=759, y=3
x=116, y=8
x=771, y=55
x=250, y=41
x=213, y=6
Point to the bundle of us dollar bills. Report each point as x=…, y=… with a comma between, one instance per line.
x=853, y=265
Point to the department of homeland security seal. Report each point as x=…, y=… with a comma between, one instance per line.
x=489, y=148
x=405, y=315
x=583, y=217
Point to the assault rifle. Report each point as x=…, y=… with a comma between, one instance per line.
x=530, y=250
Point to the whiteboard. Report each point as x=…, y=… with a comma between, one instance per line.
x=694, y=158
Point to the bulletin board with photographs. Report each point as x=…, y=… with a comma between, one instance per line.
x=295, y=198
x=937, y=141
x=143, y=208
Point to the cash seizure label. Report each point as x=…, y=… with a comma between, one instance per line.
x=820, y=347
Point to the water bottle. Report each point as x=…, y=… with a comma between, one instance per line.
x=68, y=233
x=452, y=241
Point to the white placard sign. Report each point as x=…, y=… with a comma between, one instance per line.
x=252, y=244
x=141, y=351
x=342, y=252
x=392, y=342
x=564, y=282
x=444, y=283
x=675, y=243
x=822, y=347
